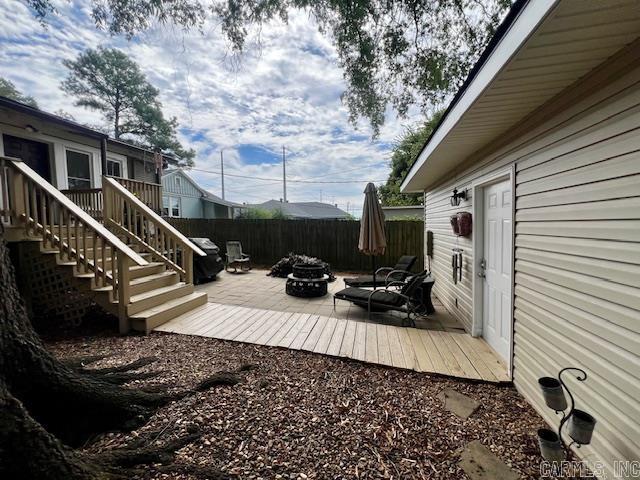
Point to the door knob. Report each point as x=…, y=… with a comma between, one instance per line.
x=483, y=266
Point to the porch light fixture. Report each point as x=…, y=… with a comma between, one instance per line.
x=457, y=196
x=30, y=128
x=581, y=424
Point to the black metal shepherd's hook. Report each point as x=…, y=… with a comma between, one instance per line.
x=566, y=417
x=581, y=424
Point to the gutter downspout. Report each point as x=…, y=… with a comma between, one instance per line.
x=103, y=155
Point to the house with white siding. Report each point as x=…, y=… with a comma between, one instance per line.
x=541, y=146
x=184, y=198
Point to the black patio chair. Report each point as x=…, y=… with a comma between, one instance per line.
x=407, y=299
x=384, y=275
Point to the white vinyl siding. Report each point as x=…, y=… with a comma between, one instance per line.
x=577, y=259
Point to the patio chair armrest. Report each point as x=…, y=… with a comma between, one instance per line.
x=392, y=272
x=245, y=255
x=383, y=269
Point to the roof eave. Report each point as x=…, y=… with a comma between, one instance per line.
x=49, y=117
x=521, y=21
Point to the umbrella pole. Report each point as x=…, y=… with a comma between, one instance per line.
x=373, y=266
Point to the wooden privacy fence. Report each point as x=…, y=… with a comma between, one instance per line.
x=334, y=241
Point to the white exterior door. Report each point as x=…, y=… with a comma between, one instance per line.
x=497, y=257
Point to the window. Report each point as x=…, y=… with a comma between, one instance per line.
x=114, y=168
x=171, y=206
x=175, y=206
x=78, y=169
x=178, y=181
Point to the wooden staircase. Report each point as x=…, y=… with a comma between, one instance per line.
x=138, y=266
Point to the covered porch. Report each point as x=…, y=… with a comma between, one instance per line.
x=254, y=308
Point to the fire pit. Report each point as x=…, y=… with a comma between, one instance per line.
x=307, y=280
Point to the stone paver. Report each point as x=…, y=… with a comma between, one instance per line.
x=479, y=463
x=458, y=404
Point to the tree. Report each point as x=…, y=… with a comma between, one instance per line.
x=405, y=152
x=48, y=407
x=257, y=213
x=9, y=90
x=394, y=53
x=108, y=81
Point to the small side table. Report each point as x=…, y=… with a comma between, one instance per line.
x=427, y=285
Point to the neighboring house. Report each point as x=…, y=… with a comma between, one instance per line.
x=302, y=210
x=184, y=198
x=404, y=212
x=544, y=138
x=82, y=212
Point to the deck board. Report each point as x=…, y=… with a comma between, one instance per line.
x=441, y=352
x=423, y=361
x=384, y=354
x=294, y=330
x=360, y=342
x=327, y=333
x=336, y=339
x=348, y=340
x=397, y=355
x=371, y=344
x=282, y=331
x=314, y=335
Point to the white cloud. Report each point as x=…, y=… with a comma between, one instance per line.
x=285, y=93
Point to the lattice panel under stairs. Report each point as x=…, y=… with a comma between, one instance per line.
x=49, y=290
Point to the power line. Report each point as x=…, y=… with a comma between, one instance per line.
x=213, y=172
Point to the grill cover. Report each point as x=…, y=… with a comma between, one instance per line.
x=206, y=268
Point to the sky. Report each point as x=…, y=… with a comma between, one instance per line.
x=286, y=92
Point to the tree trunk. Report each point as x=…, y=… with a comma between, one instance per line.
x=116, y=118
x=46, y=405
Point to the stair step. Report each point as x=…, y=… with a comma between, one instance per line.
x=153, y=298
x=136, y=271
x=151, y=282
x=147, y=320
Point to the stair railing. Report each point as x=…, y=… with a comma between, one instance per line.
x=88, y=199
x=31, y=203
x=149, y=193
x=126, y=214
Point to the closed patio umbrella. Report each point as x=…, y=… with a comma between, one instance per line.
x=373, y=240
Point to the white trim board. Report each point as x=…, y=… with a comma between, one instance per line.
x=477, y=199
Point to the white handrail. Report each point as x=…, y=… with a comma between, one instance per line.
x=153, y=215
x=87, y=219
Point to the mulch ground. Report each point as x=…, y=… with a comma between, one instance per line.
x=301, y=415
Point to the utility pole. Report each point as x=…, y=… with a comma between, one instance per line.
x=284, y=176
x=222, y=172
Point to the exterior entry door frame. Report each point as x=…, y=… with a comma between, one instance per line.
x=478, y=186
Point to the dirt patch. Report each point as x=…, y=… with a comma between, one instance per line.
x=300, y=415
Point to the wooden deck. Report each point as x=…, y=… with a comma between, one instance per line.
x=454, y=354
